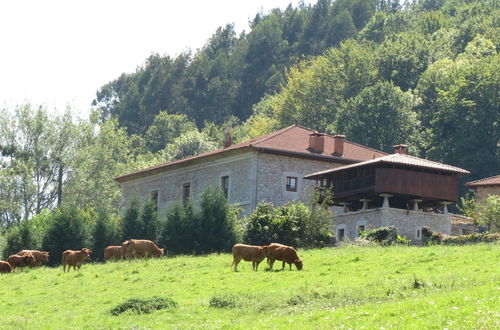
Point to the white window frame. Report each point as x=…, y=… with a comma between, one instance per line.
x=298, y=183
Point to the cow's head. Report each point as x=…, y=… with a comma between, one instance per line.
x=29, y=259
x=298, y=264
x=45, y=257
x=87, y=252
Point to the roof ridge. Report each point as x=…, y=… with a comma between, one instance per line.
x=275, y=134
x=483, y=179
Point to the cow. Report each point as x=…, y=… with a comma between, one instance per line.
x=5, y=267
x=74, y=258
x=40, y=257
x=285, y=254
x=141, y=248
x=17, y=261
x=272, y=247
x=113, y=252
x=252, y=253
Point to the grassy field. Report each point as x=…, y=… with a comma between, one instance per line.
x=348, y=287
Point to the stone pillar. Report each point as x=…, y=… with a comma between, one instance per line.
x=345, y=207
x=415, y=203
x=445, y=207
x=365, y=203
x=385, y=205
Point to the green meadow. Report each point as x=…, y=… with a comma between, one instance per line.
x=454, y=287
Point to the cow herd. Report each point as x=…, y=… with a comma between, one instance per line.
x=138, y=248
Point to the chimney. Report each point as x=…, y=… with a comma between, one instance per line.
x=400, y=149
x=316, y=142
x=228, y=139
x=338, y=146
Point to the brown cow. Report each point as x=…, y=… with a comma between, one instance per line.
x=113, y=252
x=17, y=261
x=252, y=253
x=74, y=258
x=285, y=254
x=272, y=247
x=5, y=267
x=140, y=248
x=41, y=257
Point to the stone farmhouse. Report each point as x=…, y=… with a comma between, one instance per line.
x=268, y=168
x=484, y=187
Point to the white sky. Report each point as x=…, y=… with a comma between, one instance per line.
x=59, y=52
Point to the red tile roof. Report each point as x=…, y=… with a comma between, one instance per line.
x=292, y=140
x=397, y=159
x=491, y=181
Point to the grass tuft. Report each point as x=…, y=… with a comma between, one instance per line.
x=143, y=306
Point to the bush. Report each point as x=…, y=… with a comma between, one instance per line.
x=471, y=239
x=18, y=238
x=217, y=229
x=106, y=232
x=149, y=219
x=68, y=231
x=431, y=237
x=179, y=231
x=132, y=225
x=292, y=224
x=224, y=301
x=382, y=235
x=143, y=306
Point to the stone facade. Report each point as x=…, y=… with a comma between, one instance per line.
x=253, y=177
x=408, y=223
x=482, y=192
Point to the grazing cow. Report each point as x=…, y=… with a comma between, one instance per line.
x=285, y=254
x=272, y=247
x=17, y=261
x=41, y=257
x=252, y=253
x=74, y=258
x=113, y=252
x=5, y=267
x=140, y=248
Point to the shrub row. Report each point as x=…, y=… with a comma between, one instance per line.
x=431, y=237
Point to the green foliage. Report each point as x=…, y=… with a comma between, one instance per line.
x=149, y=219
x=431, y=237
x=179, y=231
x=143, y=306
x=292, y=224
x=106, y=232
x=471, y=239
x=210, y=229
x=488, y=213
x=19, y=238
x=188, y=144
x=132, y=226
x=165, y=128
x=69, y=230
x=382, y=235
x=216, y=227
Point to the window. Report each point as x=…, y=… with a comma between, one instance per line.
x=154, y=198
x=186, y=192
x=224, y=183
x=361, y=228
x=341, y=234
x=291, y=183
x=418, y=233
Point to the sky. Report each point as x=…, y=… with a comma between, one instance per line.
x=59, y=53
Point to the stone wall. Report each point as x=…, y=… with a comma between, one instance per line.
x=272, y=173
x=483, y=192
x=241, y=170
x=408, y=223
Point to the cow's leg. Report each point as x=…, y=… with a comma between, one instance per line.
x=271, y=263
x=282, y=265
x=236, y=261
x=257, y=265
x=64, y=268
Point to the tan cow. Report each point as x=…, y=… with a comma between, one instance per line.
x=75, y=258
x=252, y=253
x=285, y=254
x=17, y=261
x=5, y=267
x=113, y=252
x=41, y=257
x=141, y=248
